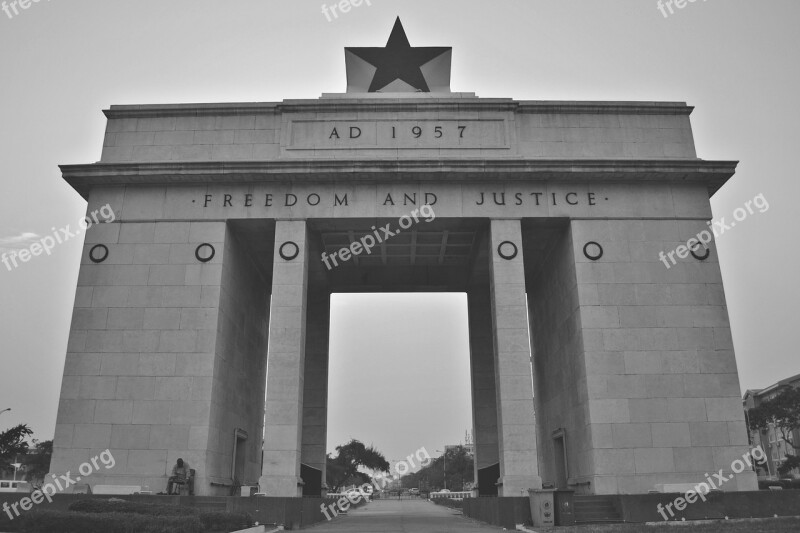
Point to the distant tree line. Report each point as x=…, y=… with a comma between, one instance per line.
x=460, y=471
x=781, y=415
x=17, y=445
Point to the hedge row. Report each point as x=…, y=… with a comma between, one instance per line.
x=448, y=502
x=210, y=520
x=118, y=516
x=122, y=506
x=73, y=522
x=225, y=521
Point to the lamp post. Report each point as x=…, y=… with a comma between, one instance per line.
x=4, y=410
x=444, y=467
x=16, y=467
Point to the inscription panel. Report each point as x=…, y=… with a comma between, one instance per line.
x=467, y=200
x=398, y=134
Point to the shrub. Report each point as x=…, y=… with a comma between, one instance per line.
x=225, y=521
x=73, y=522
x=447, y=502
x=122, y=506
x=8, y=525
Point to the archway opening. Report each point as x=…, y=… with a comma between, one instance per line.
x=399, y=379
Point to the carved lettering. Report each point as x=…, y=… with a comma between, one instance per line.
x=507, y=199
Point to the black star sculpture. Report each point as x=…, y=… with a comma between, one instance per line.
x=398, y=61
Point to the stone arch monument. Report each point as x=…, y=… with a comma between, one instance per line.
x=595, y=363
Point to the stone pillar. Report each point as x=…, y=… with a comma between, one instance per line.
x=315, y=395
x=516, y=428
x=141, y=357
x=280, y=474
x=484, y=395
x=662, y=395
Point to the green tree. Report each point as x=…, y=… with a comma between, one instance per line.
x=37, y=461
x=343, y=470
x=13, y=445
x=781, y=413
x=790, y=463
x=460, y=470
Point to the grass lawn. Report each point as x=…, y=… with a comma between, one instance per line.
x=771, y=525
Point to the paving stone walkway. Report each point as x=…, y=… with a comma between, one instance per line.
x=403, y=516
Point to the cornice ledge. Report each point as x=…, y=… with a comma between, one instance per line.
x=713, y=174
x=605, y=108
x=397, y=105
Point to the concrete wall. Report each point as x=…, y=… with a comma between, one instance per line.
x=484, y=394
x=663, y=392
x=240, y=364
x=140, y=363
x=497, y=128
x=315, y=381
x=192, y=138
x=604, y=135
x=558, y=359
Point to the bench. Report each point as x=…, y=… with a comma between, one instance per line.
x=187, y=484
x=117, y=490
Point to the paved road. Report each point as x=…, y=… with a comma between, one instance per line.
x=403, y=516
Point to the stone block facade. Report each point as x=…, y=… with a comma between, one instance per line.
x=608, y=374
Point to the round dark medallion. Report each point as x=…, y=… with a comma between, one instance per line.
x=698, y=256
x=205, y=252
x=102, y=256
x=593, y=251
x=289, y=250
x=507, y=250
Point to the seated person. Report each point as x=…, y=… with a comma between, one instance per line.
x=181, y=475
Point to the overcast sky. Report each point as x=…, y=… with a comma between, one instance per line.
x=62, y=62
